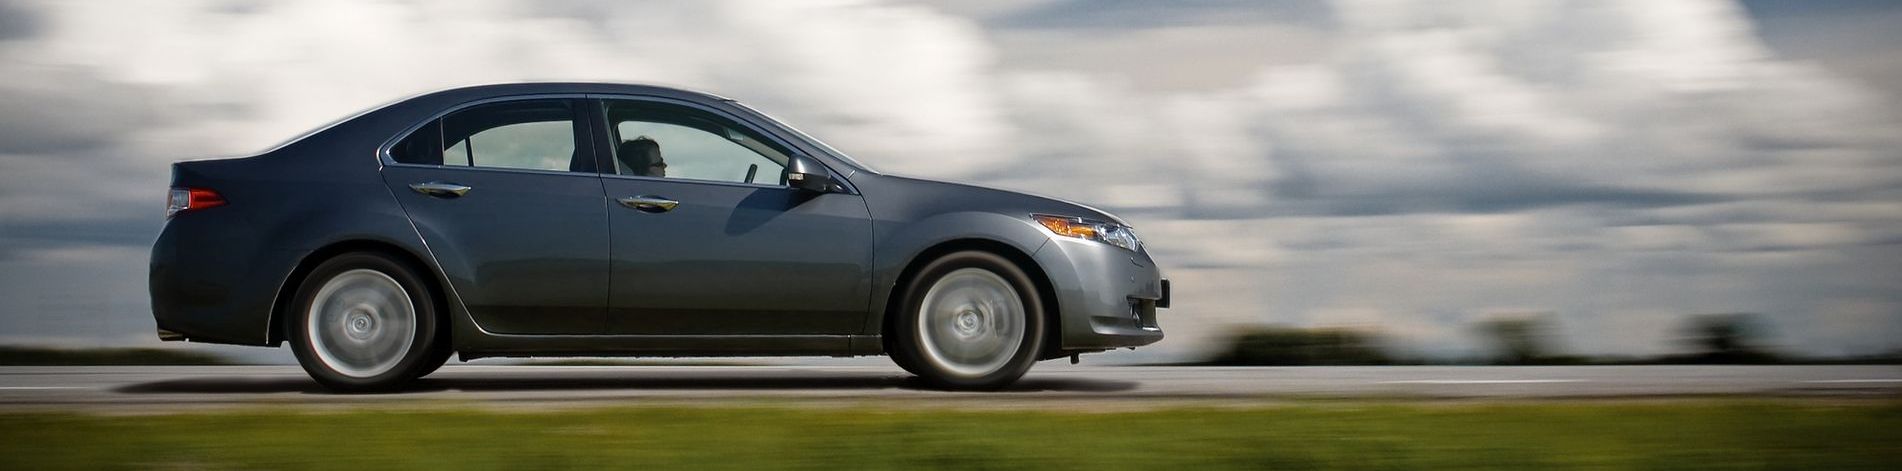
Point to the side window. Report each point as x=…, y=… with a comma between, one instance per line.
x=421, y=147
x=669, y=141
x=530, y=134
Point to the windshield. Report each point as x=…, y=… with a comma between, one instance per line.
x=808, y=137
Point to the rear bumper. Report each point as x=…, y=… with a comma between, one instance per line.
x=209, y=285
x=1106, y=296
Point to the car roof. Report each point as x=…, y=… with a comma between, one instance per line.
x=525, y=88
x=405, y=111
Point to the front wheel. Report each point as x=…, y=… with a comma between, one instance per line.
x=364, y=322
x=971, y=320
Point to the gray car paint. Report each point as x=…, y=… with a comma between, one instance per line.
x=225, y=274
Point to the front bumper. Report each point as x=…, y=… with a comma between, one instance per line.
x=1106, y=296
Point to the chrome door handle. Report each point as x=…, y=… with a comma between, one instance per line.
x=440, y=189
x=649, y=203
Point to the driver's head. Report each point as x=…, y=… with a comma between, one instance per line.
x=642, y=157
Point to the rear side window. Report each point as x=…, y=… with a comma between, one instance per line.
x=422, y=147
x=528, y=134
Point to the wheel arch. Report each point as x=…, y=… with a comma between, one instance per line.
x=1046, y=292
x=286, y=293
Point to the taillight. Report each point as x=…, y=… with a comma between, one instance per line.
x=186, y=199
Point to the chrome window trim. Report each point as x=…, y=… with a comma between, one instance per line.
x=533, y=171
x=694, y=180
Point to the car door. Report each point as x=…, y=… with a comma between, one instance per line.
x=506, y=197
x=706, y=239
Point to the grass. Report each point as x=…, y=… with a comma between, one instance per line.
x=1718, y=434
x=41, y=356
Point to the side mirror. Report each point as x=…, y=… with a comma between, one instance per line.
x=804, y=174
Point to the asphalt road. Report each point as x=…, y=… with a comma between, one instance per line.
x=1049, y=383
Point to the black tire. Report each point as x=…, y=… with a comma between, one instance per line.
x=903, y=360
x=438, y=357
x=909, y=348
x=426, y=344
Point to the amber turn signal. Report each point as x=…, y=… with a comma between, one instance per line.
x=1068, y=226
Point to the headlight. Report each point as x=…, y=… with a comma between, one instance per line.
x=1106, y=232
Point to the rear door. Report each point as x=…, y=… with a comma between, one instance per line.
x=706, y=238
x=506, y=196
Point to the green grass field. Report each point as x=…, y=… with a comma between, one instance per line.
x=1718, y=434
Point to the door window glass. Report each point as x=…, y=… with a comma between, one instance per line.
x=658, y=140
x=529, y=134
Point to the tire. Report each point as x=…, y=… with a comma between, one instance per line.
x=438, y=357
x=904, y=361
x=971, y=320
x=363, y=322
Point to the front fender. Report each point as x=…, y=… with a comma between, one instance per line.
x=901, y=248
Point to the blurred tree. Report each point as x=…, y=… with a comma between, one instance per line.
x=1289, y=346
x=1519, y=340
x=1727, y=338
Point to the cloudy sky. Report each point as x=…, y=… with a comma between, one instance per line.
x=1407, y=166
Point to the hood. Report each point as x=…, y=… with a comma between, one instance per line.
x=996, y=199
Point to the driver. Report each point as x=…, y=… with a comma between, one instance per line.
x=641, y=156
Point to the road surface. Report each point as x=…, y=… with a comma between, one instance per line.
x=149, y=387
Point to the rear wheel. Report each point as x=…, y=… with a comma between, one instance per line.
x=971, y=320
x=364, y=322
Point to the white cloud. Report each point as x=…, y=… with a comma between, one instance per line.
x=1536, y=154
x=1412, y=164
x=256, y=76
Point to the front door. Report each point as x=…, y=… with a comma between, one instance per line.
x=506, y=196
x=706, y=239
